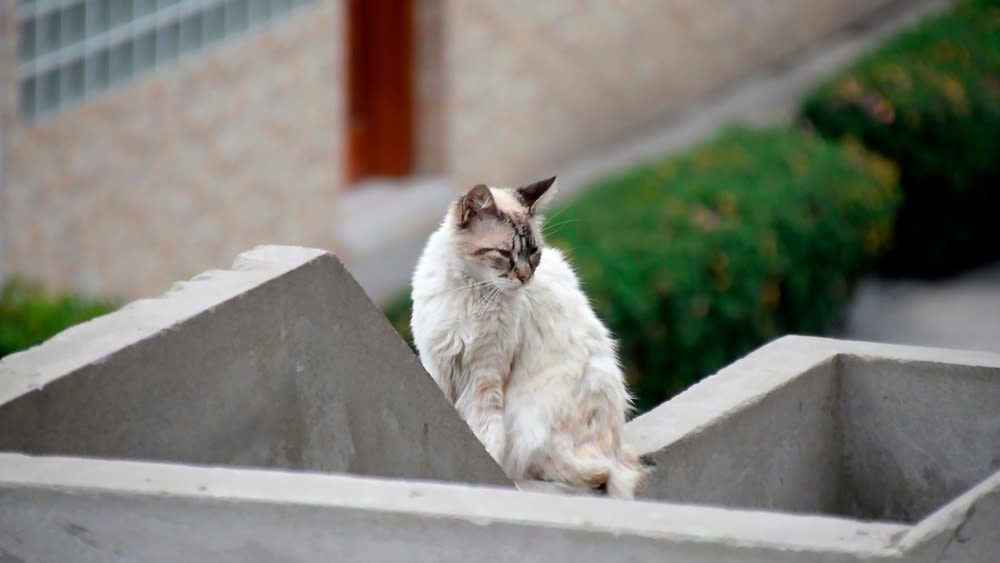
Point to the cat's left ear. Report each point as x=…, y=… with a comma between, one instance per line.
x=534, y=196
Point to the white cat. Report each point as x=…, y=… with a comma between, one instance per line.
x=502, y=326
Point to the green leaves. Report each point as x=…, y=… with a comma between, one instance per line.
x=696, y=260
x=929, y=100
x=29, y=315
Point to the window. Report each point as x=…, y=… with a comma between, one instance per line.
x=71, y=50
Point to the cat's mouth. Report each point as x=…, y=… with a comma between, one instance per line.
x=512, y=284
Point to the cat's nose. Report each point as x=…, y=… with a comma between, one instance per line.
x=522, y=272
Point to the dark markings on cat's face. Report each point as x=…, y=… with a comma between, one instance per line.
x=525, y=252
x=498, y=231
x=519, y=256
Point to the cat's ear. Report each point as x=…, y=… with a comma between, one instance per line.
x=533, y=196
x=478, y=203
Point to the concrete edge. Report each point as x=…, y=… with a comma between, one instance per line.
x=719, y=395
x=92, y=341
x=895, y=352
x=476, y=504
x=764, y=371
x=945, y=525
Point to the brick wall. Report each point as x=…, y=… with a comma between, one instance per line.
x=534, y=83
x=429, y=90
x=8, y=107
x=182, y=169
x=243, y=144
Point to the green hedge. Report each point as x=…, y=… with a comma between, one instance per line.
x=29, y=315
x=695, y=260
x=929, y=100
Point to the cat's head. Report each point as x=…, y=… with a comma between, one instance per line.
x=498, y=234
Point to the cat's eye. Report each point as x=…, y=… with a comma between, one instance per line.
x=502, y=252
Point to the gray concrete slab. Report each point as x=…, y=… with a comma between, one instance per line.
x=64, y=509
x=281, y=361
x=276, y=399
x=817, y=425
x=964, y=530
x=914, y=435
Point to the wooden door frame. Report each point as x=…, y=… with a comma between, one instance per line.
x=379, y=88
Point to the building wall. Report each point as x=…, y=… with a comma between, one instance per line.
x=243, y=144
x=181, y=169
x=8, y=107
x=429, y=88
x=535, y=83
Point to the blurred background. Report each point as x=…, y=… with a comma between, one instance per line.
x=730, y=171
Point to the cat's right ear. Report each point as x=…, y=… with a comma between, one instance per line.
x=477, y=204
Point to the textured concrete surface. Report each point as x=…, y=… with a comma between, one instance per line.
x=836, y=427
x=779, y=452
x=274, y=399
x=58, y=509
x=281, y=361
x=964, y=530
x=914, y=435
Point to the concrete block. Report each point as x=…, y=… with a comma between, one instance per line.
x=914, y=435
x=281, y=361
x=64, y=509
x=865, y=431
x=253, y=414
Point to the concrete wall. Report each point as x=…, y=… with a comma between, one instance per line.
x=244, y=143
x=281, y=362
x=819, y=426
x=910, y=439
x=282, y=365
x=66, y=510
x=532, y=84
x=781, y=452
x=180, y=170
x=430, y=76
x=8, y=107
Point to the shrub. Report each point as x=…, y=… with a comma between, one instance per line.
x=398, y=311
x=29, y=315
x=694, y=261
x=929, y=100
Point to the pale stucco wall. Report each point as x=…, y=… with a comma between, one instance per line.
x=533, y=84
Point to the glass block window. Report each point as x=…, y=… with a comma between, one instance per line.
x=71, y=50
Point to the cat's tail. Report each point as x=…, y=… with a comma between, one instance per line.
x=582, y=467
x=590, y=468
x=626, y=475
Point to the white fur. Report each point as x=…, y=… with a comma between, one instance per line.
x=562, y=397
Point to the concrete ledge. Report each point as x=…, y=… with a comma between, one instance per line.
x=56, y=509
x=808, y=449
x=281, y=361
x=860, y=430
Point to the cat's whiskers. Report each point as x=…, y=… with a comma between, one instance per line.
x=547, y=228
x=555, y=215
x=471, y=286
x=486, y=300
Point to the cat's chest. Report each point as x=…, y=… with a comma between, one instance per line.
x=495, y=332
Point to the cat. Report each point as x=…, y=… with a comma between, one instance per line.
x=501, y=324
